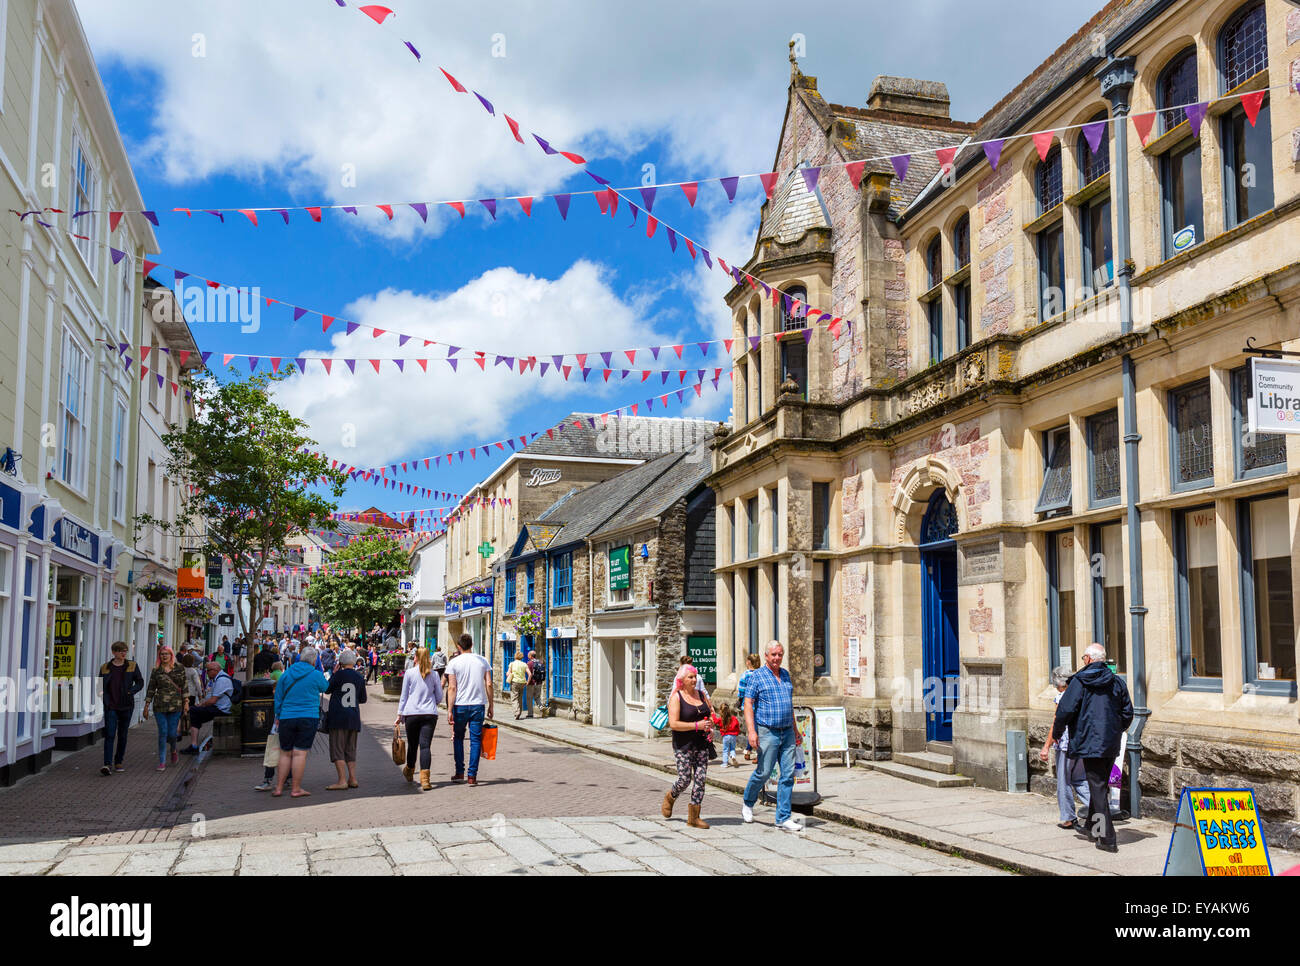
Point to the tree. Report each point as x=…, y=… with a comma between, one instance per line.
x=345, y=594
x=243, y=473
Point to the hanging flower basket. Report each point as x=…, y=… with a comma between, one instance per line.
x=198, y=610
x=155, y=591
x=528, y=622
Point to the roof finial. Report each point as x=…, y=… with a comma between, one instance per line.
x=794, y=61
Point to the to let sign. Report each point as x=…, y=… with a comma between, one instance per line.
x=620, y=568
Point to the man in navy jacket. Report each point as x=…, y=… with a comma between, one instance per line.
x=1097, y=710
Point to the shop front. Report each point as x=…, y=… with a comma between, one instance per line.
x=623, y=648
x=470, y=612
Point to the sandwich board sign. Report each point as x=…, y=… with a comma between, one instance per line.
x=833, y=732
x=1216, y=833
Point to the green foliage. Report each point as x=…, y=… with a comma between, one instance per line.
x=243, y=476
x=360, y=601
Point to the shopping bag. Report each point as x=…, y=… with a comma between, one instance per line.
x=489, y=748
x=271, y=757
x=399, y=747
x=659, y=720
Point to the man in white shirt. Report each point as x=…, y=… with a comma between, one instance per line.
x=469, y=696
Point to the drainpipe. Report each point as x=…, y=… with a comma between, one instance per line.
x=1117, y=77
x=546, y=623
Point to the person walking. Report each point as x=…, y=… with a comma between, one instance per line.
x=729, y=727
x=520, y=677
x=439, y=664
x=297, y=714
x=752, y=664
x=688, y=718
x=122, y=680
x=469, y=698
x=347, y=692
x=1096, y=709
x=1070, y=780
x=536, y=684
x=418, y=711
x=373, y=657
x=166, y=695
x=769, y=722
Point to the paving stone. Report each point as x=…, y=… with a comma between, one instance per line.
x=502, y=866
x=25, y=868
x=527, y=850
x=425, y=868
x=149, y=863
x=274, y=863
x=568, y=846
x=638, y=848
x=102, y=863
x=416, y=850
x=603, y=862
x=672, y=865
x=32, y=851
x=472, y=851
x=720, y=862
x=349, y=852
x=602, y=833
x=264, y=844
x=554, y=867
x=781, y=866
x=371, y=865
x=455, y=834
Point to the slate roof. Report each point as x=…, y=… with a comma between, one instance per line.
x=585, y=440
x=793, y=211
x=680, y=478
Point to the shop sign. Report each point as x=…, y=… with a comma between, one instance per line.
x=832, y=730
x=74, y=538
x=1274, y=403
x=189, y=579
x=1217, y=832
x=216, y=574
x=63, y=660
x=406, y=586
x=11, y=503
x=620, y=568
x=1184, y=238
x=703, y=654
x=554, y=633
x=541, y=477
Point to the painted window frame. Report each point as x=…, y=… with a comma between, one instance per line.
x=1056, y=441
x=1054, y=625
x=636, y=672
x=1239, y=383
x=76, y=355
x=1091, y=425
x=1046, y=263
x=509, y=603
x=1087, y=248
x=117, y=487
x=751, y=527
x=562, y=579
x=531, y=577
x=1230, y=143
x=87, y=225
x=1182, y=606
x=1096, y=543
x=1175, y=484
x=1168, y=225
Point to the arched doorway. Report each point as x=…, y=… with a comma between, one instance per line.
x=939, y=651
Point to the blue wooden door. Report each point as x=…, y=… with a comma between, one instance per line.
x=939, y=649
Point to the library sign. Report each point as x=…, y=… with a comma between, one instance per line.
x=1274, y=404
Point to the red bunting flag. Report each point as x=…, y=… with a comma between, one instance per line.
x=115, y=216
x=690, y=189
x=651, y=223
x=456, y=85
x=250, y=215
x=855, y=169
x=769, y=182
x=149, y=266
x=1043, y=142
x=458, y=205
x=375, y=363
x=631, y=355
x=424, y=366
x=575, y=158
x=377, y=332
x=325, y=322
x=514, y=127
x=376, y=13
x=1251, y=104
x=945, y=156
x=386, y=209
x=327, y=363
x=1142, y=124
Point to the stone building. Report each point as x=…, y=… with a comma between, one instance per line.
x=620, y=572
x=929, y=506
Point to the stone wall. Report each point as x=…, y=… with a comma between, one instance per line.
x=993, y=226
x=668, y=558
x=1172, y=761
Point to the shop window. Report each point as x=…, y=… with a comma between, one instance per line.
x=1247, y=164
x=1094, y=164
x=1200, y=644
x=1108, y=608
x=1060, y=598
x=1193, y=443
x=562, y=579
x=1103, y=459
x=1268, y=615
x=561, y=668
x=1255, y=454
x=27, y=650
x=1054, y=496
x=821, y=618
x=1098, y=251
x=752, y=577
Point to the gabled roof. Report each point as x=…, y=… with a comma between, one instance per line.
x=680, y=479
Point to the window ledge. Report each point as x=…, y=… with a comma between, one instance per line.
x=1047, y=219
x=1089, y=191
x=1224, y=103
x=1170, y=139
x=933, y=293
x=1234, y=490
x=961, y=275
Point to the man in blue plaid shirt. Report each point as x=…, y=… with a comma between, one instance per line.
x=769, y=718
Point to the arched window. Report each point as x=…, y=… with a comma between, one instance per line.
x=933, y=264
x=792, y=317
x=934, y=305
x=794, y=350
x=1247, y=144
x=1047, y=181
x=1176, y=88
x=1243, y=46
x=961, y=242
x=1093, y=164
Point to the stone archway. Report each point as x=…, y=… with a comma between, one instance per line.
x=913, y=494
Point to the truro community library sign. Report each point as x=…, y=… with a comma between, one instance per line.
x=1274, y=405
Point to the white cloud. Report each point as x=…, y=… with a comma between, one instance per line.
x=387, y=415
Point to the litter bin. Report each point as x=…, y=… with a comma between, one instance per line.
x=258, y=715
x=805, y=796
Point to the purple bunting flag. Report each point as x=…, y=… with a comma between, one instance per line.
x=298, y=313
x=993, y=151
x=421, y=209
x=562, y=202
x=729, y=186
x=1093, y=132
x=301, y=362
x=1196, y=114
x=117, y=255
x=411, y=47
x=491, y=205
x=487, y=105
x=900, y=163
x=544, y=146
x=672, y=238
x=352, y=365
x=810, y=176
x=648, y=196
x=353, y=326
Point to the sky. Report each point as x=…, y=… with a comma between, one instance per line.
x=303, y=102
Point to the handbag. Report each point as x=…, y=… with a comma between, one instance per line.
x=488, y=741
x=659, y=720
x=321, y=725
x=399, y=746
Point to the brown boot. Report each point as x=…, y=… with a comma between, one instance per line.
x=693, y=817
x=424, y=780
x=408, y=773
x=669, y=801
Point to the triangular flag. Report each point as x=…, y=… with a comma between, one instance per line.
x=648, y=197
x=421, y=209
x=487, y=105
x=575, y=158
x=456, y=85
x=526, y=204
x=1251, y=104
x=901, y=162
x=149, y=266
x=458, y=205
x=854, y=170
x=376, y=13
x=1195, y=115
x=993, y=151
x=1043, y=142
x=769, y=182
x=514, y=127
x=544, y=145
x=562, y=202
x=1092, y=134
x=315, y=213
x=810, y=176
x=386, y=209
x=250, y=215
x=690, y=189
x=491, y=205
x=1142, y=124
x=729, y=186
x=325, y=322
x=115, y=216
x=945, y=156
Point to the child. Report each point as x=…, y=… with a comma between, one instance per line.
x=752, y=663
x=729, y=727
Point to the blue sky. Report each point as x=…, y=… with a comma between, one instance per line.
x=261, y=105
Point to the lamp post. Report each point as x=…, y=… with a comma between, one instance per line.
x=1117, y=77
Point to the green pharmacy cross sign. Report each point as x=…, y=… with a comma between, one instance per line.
x=485, y=549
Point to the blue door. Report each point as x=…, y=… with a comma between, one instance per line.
x=941, y=664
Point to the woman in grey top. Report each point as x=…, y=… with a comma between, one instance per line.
x=418, y=709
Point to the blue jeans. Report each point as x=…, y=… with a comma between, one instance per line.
x=471, y=716
x=1066, y=789
x=775, y=745
x=168, y=722
x=116, y=725
x=728, y=748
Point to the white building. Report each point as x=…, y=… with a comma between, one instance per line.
x=423, y=617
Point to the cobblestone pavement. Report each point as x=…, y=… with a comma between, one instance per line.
x=569, y=845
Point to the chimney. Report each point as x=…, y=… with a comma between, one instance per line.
x=909, y=96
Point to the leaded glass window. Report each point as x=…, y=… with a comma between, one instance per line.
x=1243, y=47
x=1092, y=163
x=1048, y=181
x=1193, y=439
x=1103, y=457
x=1055, y=494
x=1176, y=89
x=1257, y=453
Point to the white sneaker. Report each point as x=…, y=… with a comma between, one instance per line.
x=746, y=813
x=790, y=825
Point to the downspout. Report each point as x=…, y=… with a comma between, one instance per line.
x=546, y=624
x=1117, y=77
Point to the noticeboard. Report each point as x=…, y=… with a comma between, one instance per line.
x=832, y=730
x=1217, y=833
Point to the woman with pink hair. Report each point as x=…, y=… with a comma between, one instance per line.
x=688, y=719
x=166, y=695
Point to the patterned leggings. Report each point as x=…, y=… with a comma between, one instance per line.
x=691, y=764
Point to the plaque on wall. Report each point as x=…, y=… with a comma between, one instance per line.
x=981, y=561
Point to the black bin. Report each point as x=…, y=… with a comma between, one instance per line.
x=258, y=715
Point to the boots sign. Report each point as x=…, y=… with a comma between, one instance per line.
x=1274, y=404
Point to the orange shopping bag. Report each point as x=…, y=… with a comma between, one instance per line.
x=489, y=748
